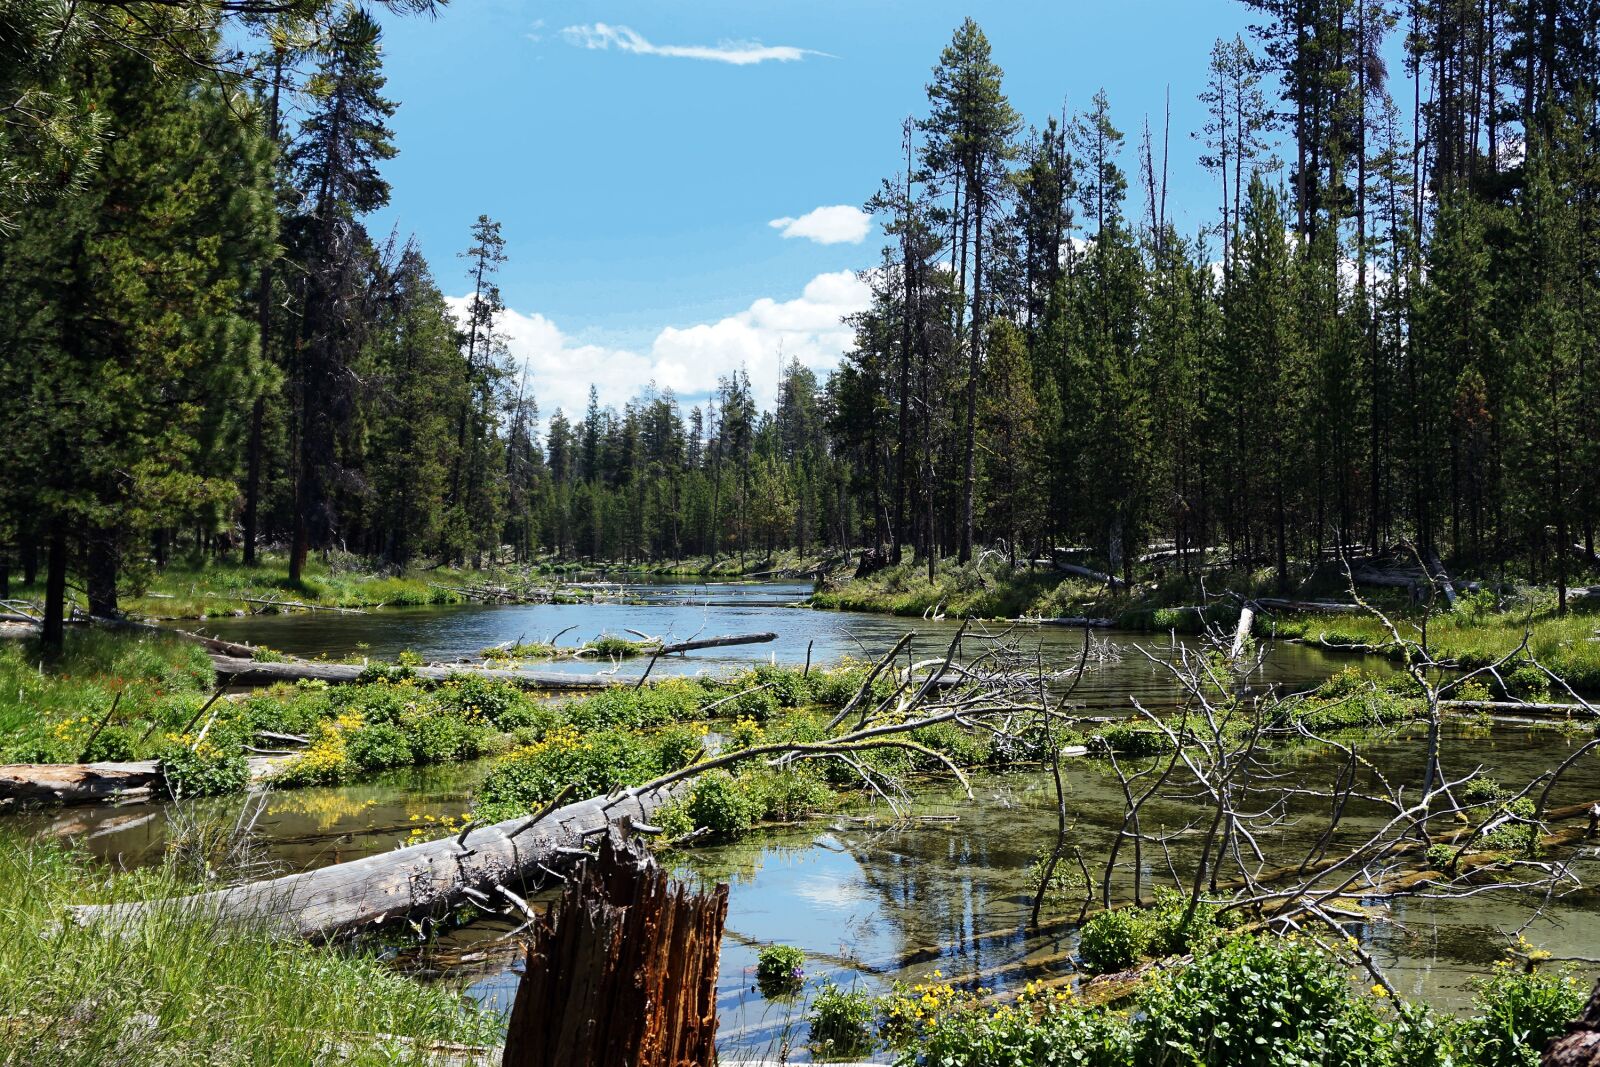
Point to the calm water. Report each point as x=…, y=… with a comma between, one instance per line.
x=869, y=903
x=679, y=611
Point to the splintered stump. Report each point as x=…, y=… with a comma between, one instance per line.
x=622, y=972
x=1580, y=1045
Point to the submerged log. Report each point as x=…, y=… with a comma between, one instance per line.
x=236, y=671
x=622, y=971
x=434, y=876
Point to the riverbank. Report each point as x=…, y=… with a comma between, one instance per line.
x=187, y=989
x=1481, y=630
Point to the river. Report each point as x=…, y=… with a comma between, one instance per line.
x=854, y=892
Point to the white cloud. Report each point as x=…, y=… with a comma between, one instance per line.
x=837, y=224
x=689, y=360
x=739, y=53
x=535, y=31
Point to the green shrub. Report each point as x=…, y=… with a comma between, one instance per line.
x=1260, y=1000
x=1516, y=1013
x=679, y=746
x=786, y=685
x=788, y=794
x=1128, y=741
x=207, y=769
x=780, y=970
x=744, y=733
x=841, y=1023
x=378, y=746
x=719, y=803
x=1113, y=941
x=1527, y=682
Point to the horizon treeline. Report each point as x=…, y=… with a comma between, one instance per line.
x=1388, y=329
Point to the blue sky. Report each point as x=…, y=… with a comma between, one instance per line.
x=637, y=172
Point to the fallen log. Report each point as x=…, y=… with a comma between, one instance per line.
x=26, y=784
x=622, y=971
x=715, y=642
x=1089, y=573
x=430, y=877
x=1075, y=621
x=252, y=672
x=1308, y=606
x=210, y=644
x=1580, y=1045
x=1441, y=578
x=1518, y=706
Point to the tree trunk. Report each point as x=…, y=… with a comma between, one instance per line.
x=101, y=572
x=622, y=971
x=54, y=632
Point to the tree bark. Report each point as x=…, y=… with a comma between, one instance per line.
x=431, y=877
x=623, y=971
x=54, y=631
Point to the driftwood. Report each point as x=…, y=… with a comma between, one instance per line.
x=252, y=672
x=478, y=864
x=1076, y=621
x=1308, y=606
x=623, y=971
x=715, y=642
x=27, y=784
x=214, y=645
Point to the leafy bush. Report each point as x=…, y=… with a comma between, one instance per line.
x=1516, y=1014
x=679, y=746
x=744, y=733
x=1128, y=740
x=720, y=804
x=1259, y=1000
x=786, y=685
x=205, y=768
x=378, y=746
x=1528, y=682
x=1113, y=941
x=780, y=970
x=841, y=1023
x=530, y=777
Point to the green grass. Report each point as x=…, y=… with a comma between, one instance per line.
x=50, y=709
x=604, y=647
x=179, y=989
x=1469, y=638
x=185, y=590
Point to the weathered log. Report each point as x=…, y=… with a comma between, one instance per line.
x=1308, y=606
x=1089, y=573
x=429, y=877
x=253, y=672
x=1441, y=578
x=214, y=645
x=716, y=642
x=1076, y=621
x=1247, y=617
x=76, y=783
x=622, y=971
x=1514, y=706
x=24, y=784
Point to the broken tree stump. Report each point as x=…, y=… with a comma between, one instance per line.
x=622, y=971
x=1580, y=1045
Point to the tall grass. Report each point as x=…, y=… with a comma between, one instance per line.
x=182, y=989
x=52, y=711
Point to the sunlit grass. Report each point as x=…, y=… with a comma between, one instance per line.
x=179, y=988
